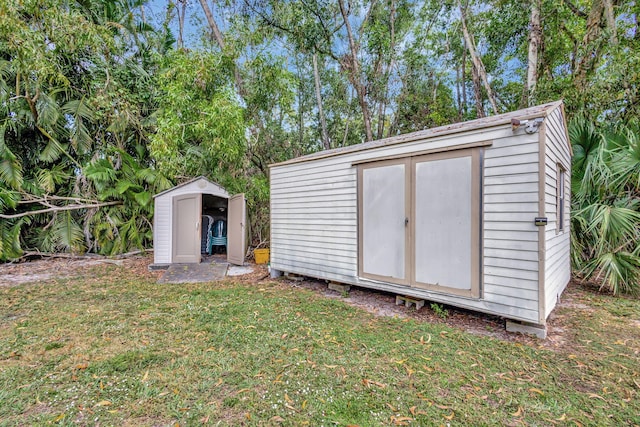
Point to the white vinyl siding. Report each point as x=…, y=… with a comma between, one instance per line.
x=510, y=235
x=314, y=218
x=557, y=252
x=162, y=223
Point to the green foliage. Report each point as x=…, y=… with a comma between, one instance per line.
x=76, y=100
x=605, y=204
x=200, y=126
x=439, y=310
x=95, y=106
x=120, y=177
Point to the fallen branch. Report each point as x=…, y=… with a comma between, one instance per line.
x=30, y=254
x=113, y=259
x=71, y=207
x=132, y=253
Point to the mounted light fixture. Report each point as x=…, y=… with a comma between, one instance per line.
x=532, y=126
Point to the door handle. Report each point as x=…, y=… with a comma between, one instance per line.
x=406, y=221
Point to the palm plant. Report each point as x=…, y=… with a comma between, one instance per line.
x=74, y=93
x=605, y=202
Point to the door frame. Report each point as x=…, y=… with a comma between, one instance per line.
x=410, y=161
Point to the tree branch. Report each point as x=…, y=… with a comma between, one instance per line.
x=59, y=209
x=575, y=9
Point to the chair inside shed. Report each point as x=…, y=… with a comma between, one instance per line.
x=214, y=225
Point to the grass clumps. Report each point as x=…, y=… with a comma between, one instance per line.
x=137, y=353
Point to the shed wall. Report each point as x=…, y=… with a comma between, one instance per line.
x=314, y=220
x=162, y=220
x=510, y=235
x=557, y=254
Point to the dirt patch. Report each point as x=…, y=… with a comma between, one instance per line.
x=48, y=269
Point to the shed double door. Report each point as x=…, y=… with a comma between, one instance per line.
x=419, y=221
x=187, y=216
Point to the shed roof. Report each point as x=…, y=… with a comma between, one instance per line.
x=209, y=187
x=501, y=119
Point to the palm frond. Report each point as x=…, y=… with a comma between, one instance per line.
x=619, y=272
x=626, y=163
x=101, y=172
x=10, y=240
x=48, y=111
x=53, y=150
x=584, y=141
x=612, y=225
x=78, y=112
x=10, y=167
x=143, y=198
x=67, y=233
x=8, y=199
x=49, y=179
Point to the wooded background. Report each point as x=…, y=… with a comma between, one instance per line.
x=107, y=102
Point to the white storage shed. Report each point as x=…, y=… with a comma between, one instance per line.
x=474, y=214
x=179, y=213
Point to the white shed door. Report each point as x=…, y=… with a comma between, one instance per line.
x=446, y=212
x=443, y=222
x=186, y=228
x=236, y=231
x=384, y=221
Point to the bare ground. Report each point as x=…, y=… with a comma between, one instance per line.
x=378, y=303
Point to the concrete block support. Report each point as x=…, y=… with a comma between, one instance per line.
x=539, y=331
x=339, y=287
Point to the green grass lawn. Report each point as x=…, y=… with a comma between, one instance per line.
x=114, y=348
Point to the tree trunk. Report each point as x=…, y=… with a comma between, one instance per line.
x=182, y=8
x=323, y=123
x=464, y=82
x=381, y=118
x=300, y=103
x=217, y=36
x=535, y=38
x=477, y=92
x=477, y=61
x=382, y=108
x=589, y=59
x=354, y=72
x=611, y=21
x=458, y=95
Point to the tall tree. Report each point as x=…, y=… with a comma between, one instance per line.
x=480, y=73
x=351, y=63
x=535, y=39
x=323, y=123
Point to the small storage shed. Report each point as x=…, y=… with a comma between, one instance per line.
x=474, y=214
x=178, y=222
